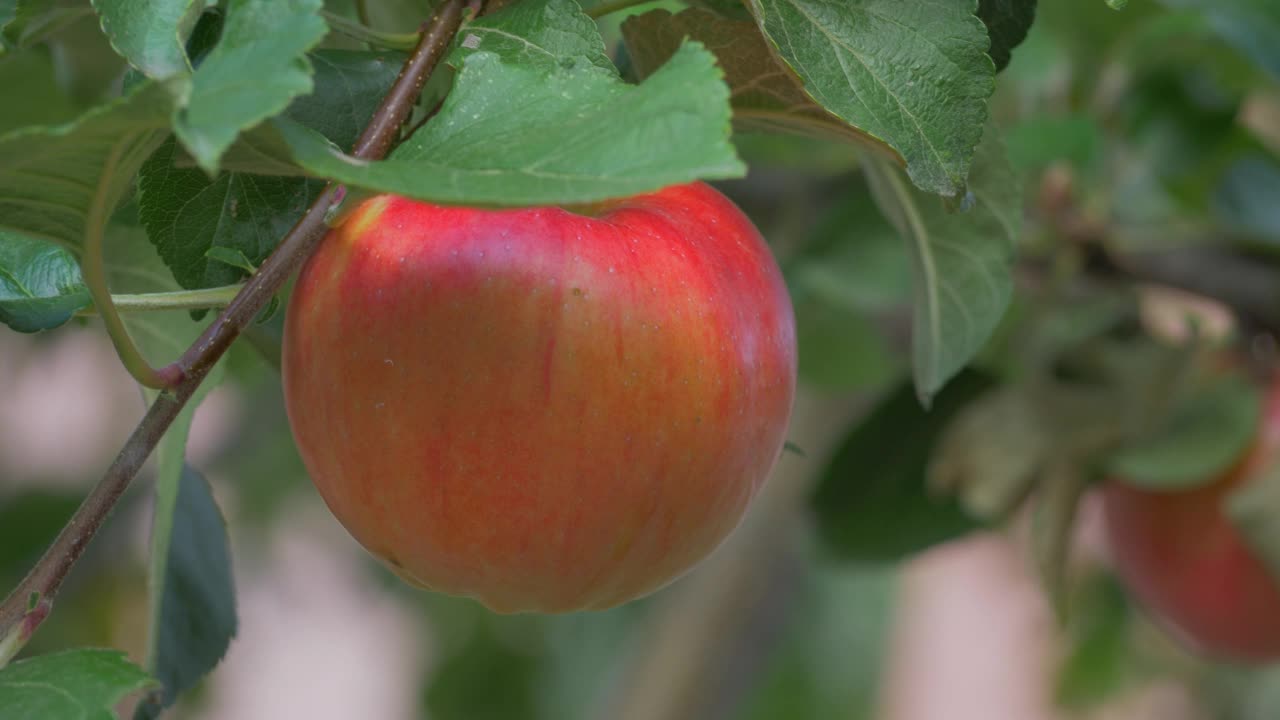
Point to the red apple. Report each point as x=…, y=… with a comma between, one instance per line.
x=1184, y=560
x=546, y=410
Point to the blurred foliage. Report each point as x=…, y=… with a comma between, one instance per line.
x=1145, y=111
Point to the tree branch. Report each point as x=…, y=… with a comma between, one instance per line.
x=25, y=608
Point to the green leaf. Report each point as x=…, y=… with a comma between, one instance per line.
x=584, y=136
x=1099, y=662
x=257, y=68
x=873, y=502
x=49, y=175
x=1204, y=434
x=1007, y=24
x=535, y=33
x=197, y=615
x=71, y=685
x=913, y=74
x=765, y=94
x=150, y=33
x=1252, y=26
x=40, y=284
x=963, y=260
x=187, y=214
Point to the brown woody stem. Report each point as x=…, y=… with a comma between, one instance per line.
x=28, y=604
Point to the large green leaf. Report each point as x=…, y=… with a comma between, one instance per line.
x=583, y=135
x=71, y=685
x=40, y=284
x=150, y=33
x=258, y=66
x=50, y=175
x=963, y=260
x=913, y=74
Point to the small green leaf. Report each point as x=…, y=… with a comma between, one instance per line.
x=150, y=33
x=258, y=66
x=873, y=501
x=81, y=684
x=585, y=136
x=963, y=260
x=1007, y=24
x=1196, y=442
x=1099, y=662
x=913, y=74
x=196, y=618
x=40, y=284
x=230, y=256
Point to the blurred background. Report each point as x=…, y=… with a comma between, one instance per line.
x=1152, y=123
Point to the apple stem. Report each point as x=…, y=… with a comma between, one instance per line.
x=19, y=618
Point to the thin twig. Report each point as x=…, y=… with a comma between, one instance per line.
x=198, y=299
x=30, y=602
x=606, y=8
x=93, y=268
x=369, y=36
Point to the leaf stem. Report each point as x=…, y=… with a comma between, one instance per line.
x=95, y=278
x=366, y=34
x=18, y=616
x=202, y=299
x=605, y=8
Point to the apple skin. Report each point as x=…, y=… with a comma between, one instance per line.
x=544, y=410
x=1183, y=559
